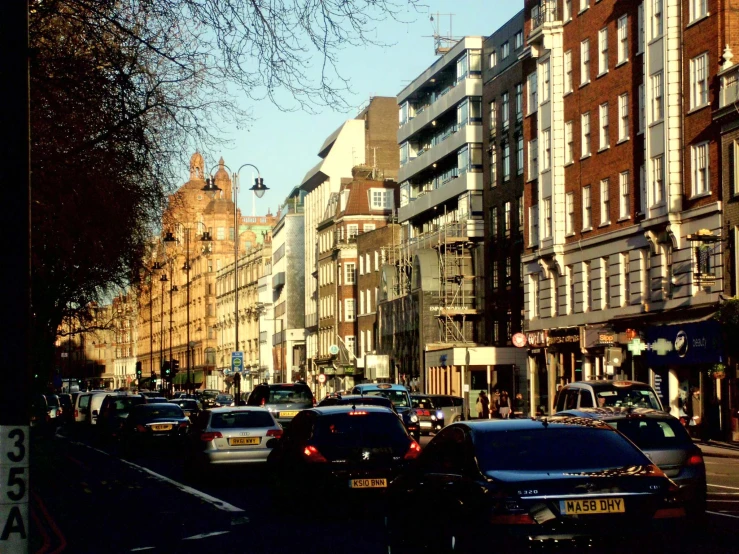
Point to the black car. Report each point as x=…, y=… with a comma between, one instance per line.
x=401, y=399
x=113, y=413
x=190, y=407
x=561, y=479
x=149, y=425
x=341, y=449
x=430, y=418
x=355, y=400
x=284, y=400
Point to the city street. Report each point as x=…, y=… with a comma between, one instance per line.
x=86, y=499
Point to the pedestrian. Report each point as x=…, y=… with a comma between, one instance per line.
x=504, y=405
x=483, y=406
x=518, y=405
x=494, y=403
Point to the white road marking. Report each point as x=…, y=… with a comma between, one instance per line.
x=217, y=502
x=724, y=493
x=720, y=514
x=723, y=487
x=143, y=548
x=205, y=535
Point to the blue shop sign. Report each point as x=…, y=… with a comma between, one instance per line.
x=684, y=344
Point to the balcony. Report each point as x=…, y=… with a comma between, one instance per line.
x=429, y=198
x=450, y=144
x=546, y=12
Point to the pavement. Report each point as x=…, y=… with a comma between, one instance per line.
x=718, y=449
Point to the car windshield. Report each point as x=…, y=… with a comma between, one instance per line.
x=152, y=411
x=422, y=402
x=624, y=397
x=654, y=434
x=241, y=420
x=124, y=403
x=365, y=429
x=399, y=398
x=224, y=398
x=52, y=400
x=554, y=449
x=288, y=394
x=209, y=394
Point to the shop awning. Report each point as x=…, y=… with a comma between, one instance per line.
x=196, y=377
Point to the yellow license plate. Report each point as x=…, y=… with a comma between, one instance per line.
x=288, y=414
x=368, y=483
x=241, y=441
x=161, y=427
x=593, y=506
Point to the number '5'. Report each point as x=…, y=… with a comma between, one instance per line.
x=15, y=479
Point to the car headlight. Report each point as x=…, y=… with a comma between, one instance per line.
x=439, y=414
x=433, y=418
x=414, y=418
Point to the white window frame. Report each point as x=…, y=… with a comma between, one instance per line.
x=350, y=341
x=584, y=5
x=569, y=142
x=506, y=161
x=605, y=202
x=584, y=62
x=570, y=212
x=624, y=187
x=585, y=135
x=534, y=225
x=519, y=155
x=658, y=181
x=700, y=163
x=568, y=71
x=505, y=50
x=587, y=208
x=533, y=159
x=350, y=273
x=493, y=114
x=361, y=265
x=377, y=261
x=492, y=59
x=698, y=9
x=641, y=35
x=547, y=218
x=658, y=104
x=518, y=40
x=381, y=199
x=505, y=108
x=532, y=99
x=622, y=34
x=657, y=18
x=566, y=10
x=699, y=81
x=361, y=303
x=519, y=101
x=352, y=230
x=544, y=72
x=350, y=314
x=642, y=108
x=546, y=150
x=623, y=117
x=367, y=227
x=603, y=127
x=603, y=51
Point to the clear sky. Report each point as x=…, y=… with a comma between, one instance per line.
x=284, y=145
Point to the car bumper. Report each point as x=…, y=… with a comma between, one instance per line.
x=257, y=456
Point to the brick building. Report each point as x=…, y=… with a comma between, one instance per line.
x=622, y=193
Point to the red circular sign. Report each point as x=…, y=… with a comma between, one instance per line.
x=321, y=378
x=519, y=340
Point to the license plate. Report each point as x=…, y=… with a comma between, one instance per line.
x=289, y=414
x=592, y=506
x=161, y=427
x=425, y=424
x=368, y=483
x=241, y=441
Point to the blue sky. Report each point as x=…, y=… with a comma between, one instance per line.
x=284, y=145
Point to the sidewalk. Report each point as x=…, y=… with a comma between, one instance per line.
x=717, y=449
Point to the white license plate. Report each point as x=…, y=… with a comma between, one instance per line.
x=426, y=424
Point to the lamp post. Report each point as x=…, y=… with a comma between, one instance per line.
x=163, y=279
x=172, y=289
x=156, y=267
x=258, y=189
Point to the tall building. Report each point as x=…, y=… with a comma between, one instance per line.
x=368, y=140
x=431, y=298
x=623, y=260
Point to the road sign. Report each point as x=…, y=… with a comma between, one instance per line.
x=519, y=340
x=333, y=350
x=237, y=361
x=321, y=378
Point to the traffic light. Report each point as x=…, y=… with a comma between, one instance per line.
x=166, y=368
x=175, y=366
x=138, y=370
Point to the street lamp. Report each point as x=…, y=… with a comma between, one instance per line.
x=258, y=189
x=156, y=267
x=163, y=279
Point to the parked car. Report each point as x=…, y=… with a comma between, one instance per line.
x=284, y=400
x=341, y=450
x=355, y=400
x=597, y=394
x=113, y=413
x=229, y=436
x=151, y=425
x=522, y=480
x=54, y=408
x=451, y=406
x=430, y=419
x=40, y=418
x=666, y=442
x=401, y=399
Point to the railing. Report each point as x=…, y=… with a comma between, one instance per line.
x=543, y=13
x=729, y=87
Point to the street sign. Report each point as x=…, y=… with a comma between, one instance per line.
x=333, y=350
x=519, y=340
x=237, y=361
x=321, y=378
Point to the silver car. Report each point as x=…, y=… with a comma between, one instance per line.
x=230, y=435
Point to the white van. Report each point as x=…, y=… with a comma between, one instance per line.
x=96, y=400
x=82, y=406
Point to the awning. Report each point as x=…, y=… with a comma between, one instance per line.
x=196, y=377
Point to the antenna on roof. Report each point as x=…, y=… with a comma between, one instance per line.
x=442, y=44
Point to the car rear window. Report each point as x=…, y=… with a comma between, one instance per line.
x=124, y=404
x=287, y=394
x=241, y=420
x=187, y=404
x=653, y=434
x=399, y=398
x=623, y=397
x=146, y=411
x=370, y=429
x=555, y=449
x=423, y=402
x=52, y=400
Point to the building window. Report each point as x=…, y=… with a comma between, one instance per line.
x=520, y=214
x=532, y=93
x=584, y=5
x=221, y=233
x=493, y=115
x=642, y=109
x=547, y=218
x=658, y=181
x=519, y=155
x=588, y=288
x=569, y=143
x=700, y=168
x=368, y=261
x=519, y=101
x=349, y=310
x=533, y=225
x=381, y=199
x=492, y=59
x=570, y=289
x=506, y=161
x=623, y=39
x=584, y=62
x=546, y=149
x=505, y=50
x=640, y=29
x=518, y=40
x=504, y=109
x=698, y=9
x=606, y=291
x=587, y=209
x=361, y=265
x=602, y=51
x=377, y=261
x=625, y=191
x=495, y=275
x=605, y=203
x=507, y=219
x=625, y=279
x=585, y=134
x=494, y=222
x=623, y=117
x=699, y=81
x=493, y=163
x=544, y=80
x=604, y=140
x=352, y=230
x=350, y=273
x=350, y=342
x=568, y=71
x=361, y=302
x=533, y=159
x=657, y=91
x=657, y=21
x=566, y=10
x=508, y=266
x=734, y=161
x=570, y=206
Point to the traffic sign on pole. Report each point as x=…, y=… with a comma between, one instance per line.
x=237, y=361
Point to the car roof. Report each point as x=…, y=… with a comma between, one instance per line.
x=345, y=409
x=380, y=386
x=554, y=422
x=615, y=412
x=229, y=409
x=609, y=384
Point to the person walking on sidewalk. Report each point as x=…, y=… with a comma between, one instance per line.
x=483, y=406
x=504, y=405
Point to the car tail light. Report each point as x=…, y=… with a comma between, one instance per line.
x=357, y=412
x=652, y=469
x=207, y=437
x=414, y=450
x=694, y=460
x=263, y=402
x=141, y=428
x=512, y=519
x=59, y=412
x=665, y=513
x=76, y=413
x=277, y=433
x=184, y=425
x=311, y=454
x=314, y=400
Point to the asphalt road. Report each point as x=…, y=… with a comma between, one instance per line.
x=87, y=499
